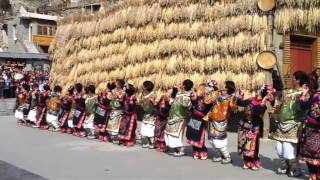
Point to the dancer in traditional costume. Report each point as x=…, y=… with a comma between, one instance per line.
x=64, y=115
x=129, y=122
x=32, y=115
x=147, y=100
x=211, y=85
x=196, y=126
x=163, y=106
x=91, y=100
x=101, y=112
x=310, y=136
x=250, y=128
x=42, y=108
x=223, y=102
x=23, y=102
x=116, y=109
x=54, y=104
x=79, y=114
x=289, y=116
x=178, y=115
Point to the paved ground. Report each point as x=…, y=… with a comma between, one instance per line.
x=32, y=154
x=6, y=107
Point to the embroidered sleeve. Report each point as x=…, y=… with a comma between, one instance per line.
x=153, y=100
x=186, y=101
x=305, y=101
x=233, y=105
x=242, y=103
x=194, y=101
x=131, y=103
x=211, y=98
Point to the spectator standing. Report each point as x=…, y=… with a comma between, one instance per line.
x=41, y=85
x=7, y=84
x=2, y=83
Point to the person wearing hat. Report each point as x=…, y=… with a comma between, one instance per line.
x=196, y=125
x=129, y=122
x=147, y=100
x=178, y=115
x=289, y=117
x=250, y=128
x=222, y=103
x=211, y=85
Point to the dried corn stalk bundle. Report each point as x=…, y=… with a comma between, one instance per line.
x=163, y=41
x=292, y=19
x=306, y=4
x=148, y=14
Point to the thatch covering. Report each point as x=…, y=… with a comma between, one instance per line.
x=298, y=15
x=162, y=40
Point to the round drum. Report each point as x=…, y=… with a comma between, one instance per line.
x=266, y=60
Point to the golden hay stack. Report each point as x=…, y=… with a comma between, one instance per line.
x=165, y=41
x=299, y=14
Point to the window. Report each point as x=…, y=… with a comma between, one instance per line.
x=46, y=30
x=15, y=33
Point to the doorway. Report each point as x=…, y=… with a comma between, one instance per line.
x=302, y=54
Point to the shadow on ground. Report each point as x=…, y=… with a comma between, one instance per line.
x=266, y=163
x=11, y=172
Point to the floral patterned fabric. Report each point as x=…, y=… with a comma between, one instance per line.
x=310, y=137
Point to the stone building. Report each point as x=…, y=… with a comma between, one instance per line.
x=27, y=28
x=25, y=38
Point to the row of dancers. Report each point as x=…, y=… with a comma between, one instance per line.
x=112, y=114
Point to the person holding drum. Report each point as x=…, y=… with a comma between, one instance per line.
x=54, y=104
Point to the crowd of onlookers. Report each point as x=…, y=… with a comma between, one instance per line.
x=10, y=78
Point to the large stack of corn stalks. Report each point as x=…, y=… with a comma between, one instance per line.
x=165, y=41
x=294, y=15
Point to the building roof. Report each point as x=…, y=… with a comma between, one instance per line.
x=28, y=15
x=15, y=55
